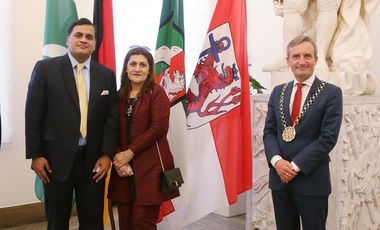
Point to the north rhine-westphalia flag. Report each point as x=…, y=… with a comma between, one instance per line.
x=170, y=74
x=104, y=54
x=218, y=117
x=60, y=14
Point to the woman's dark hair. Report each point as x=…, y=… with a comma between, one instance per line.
x=126, y=86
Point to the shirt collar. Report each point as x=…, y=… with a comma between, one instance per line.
x=307, y=82
x=74, y=61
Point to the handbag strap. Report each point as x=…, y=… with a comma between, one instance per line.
x=159, y=155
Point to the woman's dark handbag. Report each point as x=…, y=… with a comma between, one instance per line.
x=171, y=179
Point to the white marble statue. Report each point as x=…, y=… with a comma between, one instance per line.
x=351, y=50
x=317, y=18
x=341, y=31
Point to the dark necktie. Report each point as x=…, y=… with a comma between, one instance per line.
x=296, y=103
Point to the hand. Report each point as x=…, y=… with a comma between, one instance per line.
x=285, y=170
x=101, y=167
x=40, y=165
x=125, y=170
x=122, y=158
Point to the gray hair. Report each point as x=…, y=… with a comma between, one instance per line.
x=301, y=39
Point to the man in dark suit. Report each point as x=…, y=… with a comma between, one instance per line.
x=301, y=128
x=70, y=129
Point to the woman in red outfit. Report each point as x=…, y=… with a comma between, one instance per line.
x=144, y=120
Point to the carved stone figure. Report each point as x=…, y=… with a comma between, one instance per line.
x=341, y=31
x=351, y=50
x=317, y=18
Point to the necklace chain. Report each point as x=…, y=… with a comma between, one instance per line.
x=305, y=107
x=130, y=103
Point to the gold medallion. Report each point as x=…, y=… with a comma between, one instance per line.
x=289, y=134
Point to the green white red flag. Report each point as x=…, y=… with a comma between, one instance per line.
x=170, y=74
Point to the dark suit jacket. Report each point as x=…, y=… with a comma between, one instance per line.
x=317, y=134
x=150, y=124
x=52, y=115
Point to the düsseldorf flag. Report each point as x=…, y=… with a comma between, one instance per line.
x=218, y=162
x=170, y=74
x=218, y=114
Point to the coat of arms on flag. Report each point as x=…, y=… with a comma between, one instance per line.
x=218, y=152
x=215, y=88
x=172, y=79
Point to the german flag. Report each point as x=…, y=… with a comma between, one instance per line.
x=105, y=54
x=105, y=44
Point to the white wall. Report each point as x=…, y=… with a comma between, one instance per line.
x=264, y=38
x=5, y=39
x=21, y=39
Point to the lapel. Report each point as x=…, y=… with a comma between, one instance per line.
x=94, y=86
x=313, y=88
x=68, y=78
x=287, y=95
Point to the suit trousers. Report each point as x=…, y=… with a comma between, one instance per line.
x=137, y=217
x=290, y=207
x=89, y=197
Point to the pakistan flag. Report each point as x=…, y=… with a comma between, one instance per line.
x=59, y=16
